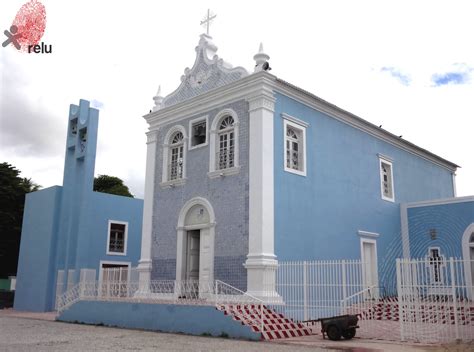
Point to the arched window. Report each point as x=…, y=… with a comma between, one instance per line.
x=295, y=147
x=226, y=136
x=176, y=157
x=224, y=144
x=292, y=149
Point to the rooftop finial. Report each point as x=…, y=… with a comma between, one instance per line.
x=158, y=99
x=261, y=60
x=208, y=20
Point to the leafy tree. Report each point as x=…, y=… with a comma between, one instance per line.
x=12, y=200
x=111, y=185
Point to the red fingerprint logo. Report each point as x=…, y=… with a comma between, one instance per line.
x=30, y=21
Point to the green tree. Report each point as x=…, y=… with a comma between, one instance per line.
x=12, y=200
x=111, y=185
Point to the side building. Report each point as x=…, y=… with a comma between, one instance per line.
x=71, y=233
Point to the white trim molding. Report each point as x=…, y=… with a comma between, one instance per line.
x=295, y=120
x=145, y=262
x=195, y=121
x=405, y=230
x=125, y=237
x=388, y=162
x=261, y=260
x=368, y=234
x=440, y=201
x=300, y=130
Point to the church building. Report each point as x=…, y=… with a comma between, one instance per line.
x=245, y=169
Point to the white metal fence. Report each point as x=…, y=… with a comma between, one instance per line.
x=312, y=290
x=436, y=299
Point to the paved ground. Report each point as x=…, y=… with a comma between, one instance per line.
x=26, y=332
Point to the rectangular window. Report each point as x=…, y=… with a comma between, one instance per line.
x=198, y=132
x=386, y=180
x=176, y=165
x=295, y=147
x=225, y=156
x=117, y=238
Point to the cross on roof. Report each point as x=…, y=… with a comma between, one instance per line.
x=207, y=20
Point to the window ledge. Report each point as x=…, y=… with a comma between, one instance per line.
x=173, y=183
x=388, y=199
x=116, y=253
x=202, y=145
x=225, y=172
x=296, y=172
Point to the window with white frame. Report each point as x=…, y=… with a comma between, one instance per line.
x=176, y=157
x=198, y=132
x=386, y=179
x=295, y=148
x=117, y=238
x=226, y=144
x=436, y=263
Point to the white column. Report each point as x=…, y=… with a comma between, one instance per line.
x=261, y=261
x=144, y=265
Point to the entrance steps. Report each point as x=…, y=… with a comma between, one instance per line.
x=275, y=325
x=425, y=312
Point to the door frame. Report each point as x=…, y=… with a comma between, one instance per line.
x=466, y=254
x=372, y=242
x=187, y=252
x=207, y=240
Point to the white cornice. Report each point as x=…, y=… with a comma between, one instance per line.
x=368, y=234
x=321, y=105
x=244, y=88
x=295, y=120
x=440, y=201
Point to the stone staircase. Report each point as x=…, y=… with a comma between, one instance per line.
x=430, y=312
x=275, y=325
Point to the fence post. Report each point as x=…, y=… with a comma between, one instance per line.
x=453, y=292
x=400, y=298
x=305, y=294
x=344, y=287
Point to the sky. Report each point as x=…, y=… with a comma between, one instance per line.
x=405, y=65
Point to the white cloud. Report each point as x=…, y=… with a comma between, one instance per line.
x=118, y=53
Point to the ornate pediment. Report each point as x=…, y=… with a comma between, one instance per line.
x=208, y=72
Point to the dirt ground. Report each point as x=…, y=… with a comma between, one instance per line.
x=36, y=332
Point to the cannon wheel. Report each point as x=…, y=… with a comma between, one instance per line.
x=333, y=333
x=349, y=333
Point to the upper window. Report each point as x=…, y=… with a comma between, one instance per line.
x=198, y=132
x=225, y=156
x=176, y=157
x=386, y=180
x=117, y=238
x=295, y=148
x=224, y=143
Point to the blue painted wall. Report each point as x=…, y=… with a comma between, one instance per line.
x=67, y=227
x=194, y=320
x=37, y=249
x=318, y=216
x=450, y=221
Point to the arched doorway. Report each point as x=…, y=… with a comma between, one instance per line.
x=468, y=256
x=195, y=242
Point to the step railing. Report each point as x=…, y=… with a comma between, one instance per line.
x=217, y=293
x=226, y=295
x=359, y=301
